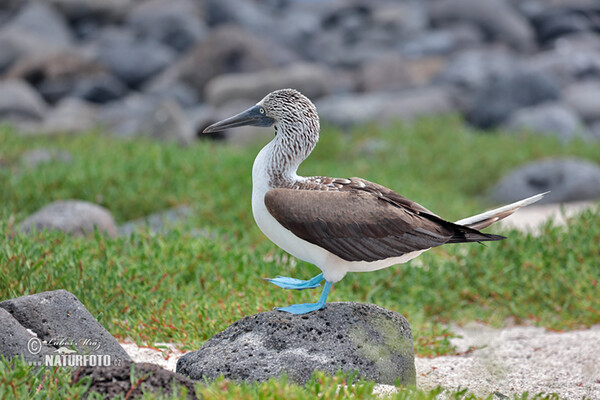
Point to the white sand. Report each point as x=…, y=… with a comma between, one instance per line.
x=507, y=361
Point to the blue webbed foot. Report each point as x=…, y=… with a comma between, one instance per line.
x=301, y=308
x=308, y=307
x=298, y=284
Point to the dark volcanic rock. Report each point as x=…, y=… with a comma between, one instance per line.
x=376, y=342
x=494, y=17
x=227, y=49
x=55, y=75
x=567, y=179
x=117, y=381
x=558, y=21
x=72, y=216
x=174, y=23
x=496, y=101
x=60, y=321
x=99, y=88
x=15, y=339
x=133, y=60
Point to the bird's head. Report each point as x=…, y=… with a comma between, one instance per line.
x=286, y=106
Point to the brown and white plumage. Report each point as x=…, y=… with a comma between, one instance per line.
x=340, y=225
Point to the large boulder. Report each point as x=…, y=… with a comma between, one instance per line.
x=72, y=216
x=375, y=342
x=54, y=323
x=567, y=179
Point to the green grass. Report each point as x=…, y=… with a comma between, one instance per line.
x=183, y=287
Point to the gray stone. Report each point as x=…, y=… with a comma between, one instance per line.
x=584, y=98
x=404, y=18
x=594, y=131
x=9, y=53
x=15, y=340
x=20, y=102
x=495, y=17
x=132, y=60
x=168, y=122
x=99, y=88
x=573, y=57
x=310, y=79
x=387, y=72
x=347, y=110
x=227, y=49
x=497, y=100
x=554, y=22
x=59, y=321
x=177, y=24
x=55, y=75
x=375, y=342
x=142, y=116
x=125, y=116
x=442, y=41
x=177, y=91
x=160, y=222
x=567, y=179
x=547, y=119
x=41, y=20
x=473, y=69
x=72, y=216
x=71, y=115
x=34, y=158
x=105, y=12
x=133, y=380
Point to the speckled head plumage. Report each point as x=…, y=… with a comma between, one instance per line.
x=289, y=107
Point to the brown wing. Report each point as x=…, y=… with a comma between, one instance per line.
x=360, y=225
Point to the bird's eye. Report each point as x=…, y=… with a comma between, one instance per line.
x=261, y=110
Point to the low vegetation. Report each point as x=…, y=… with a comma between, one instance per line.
x=188, y=284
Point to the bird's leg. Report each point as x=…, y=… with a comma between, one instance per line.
x=298, y=284
x=308, y=307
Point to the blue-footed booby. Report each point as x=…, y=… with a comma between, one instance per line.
x=340, y=225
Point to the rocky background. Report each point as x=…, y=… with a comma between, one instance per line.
x=168, y=68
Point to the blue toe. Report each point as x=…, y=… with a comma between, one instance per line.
x=298, y=284
x=301, y=308
x=308, y=307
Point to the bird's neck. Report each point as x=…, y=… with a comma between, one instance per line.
x=277, y=163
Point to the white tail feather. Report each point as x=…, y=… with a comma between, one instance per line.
x=487, y=218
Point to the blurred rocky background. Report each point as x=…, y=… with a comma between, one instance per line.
x=168, y=68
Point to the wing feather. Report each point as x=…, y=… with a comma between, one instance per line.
x=363, y=225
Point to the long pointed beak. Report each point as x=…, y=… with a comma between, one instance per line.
x=254, y=116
